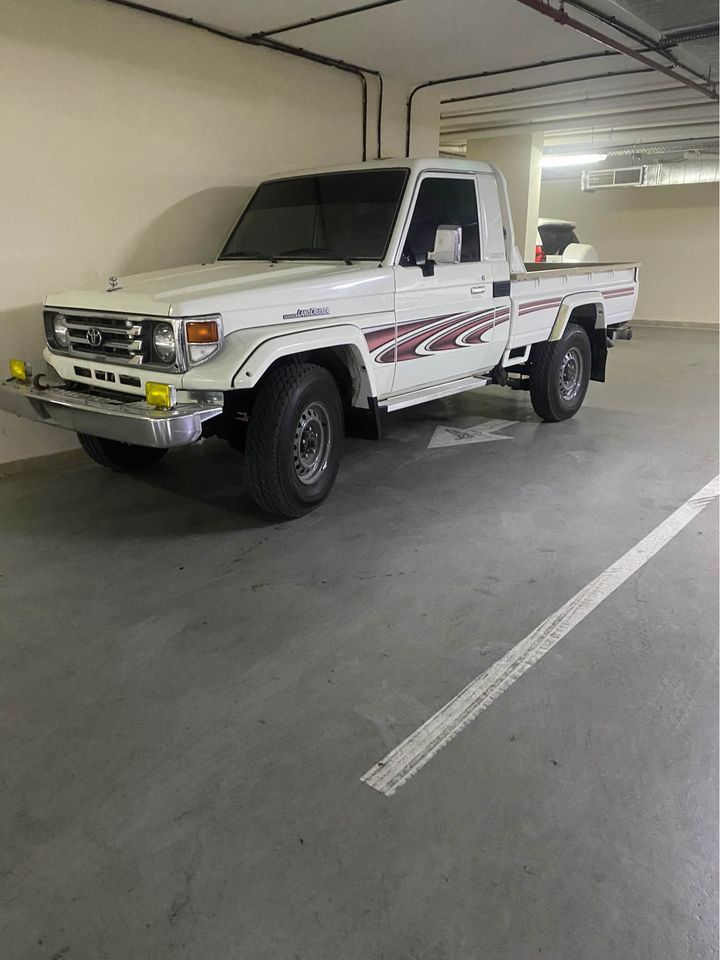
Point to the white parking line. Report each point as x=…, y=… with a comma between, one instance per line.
x=413, y=753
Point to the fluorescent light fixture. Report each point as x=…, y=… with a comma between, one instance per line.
x=572, y=159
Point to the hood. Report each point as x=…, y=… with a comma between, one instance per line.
x=236, y=286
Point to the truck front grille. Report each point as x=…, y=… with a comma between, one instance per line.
x=118, y=338
x=115, y=338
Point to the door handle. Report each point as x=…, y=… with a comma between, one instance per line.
x=479, y=290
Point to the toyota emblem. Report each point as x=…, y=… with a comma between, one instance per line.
x=94, y=337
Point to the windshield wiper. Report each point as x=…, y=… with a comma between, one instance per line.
x=249, y=255
x=333, y=254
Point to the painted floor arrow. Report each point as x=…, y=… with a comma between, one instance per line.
x=482, y=432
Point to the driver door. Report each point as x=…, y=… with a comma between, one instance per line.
x=444, y=321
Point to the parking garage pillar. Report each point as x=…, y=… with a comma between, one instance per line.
x=518, y=157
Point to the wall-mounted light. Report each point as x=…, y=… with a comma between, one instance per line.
x=573, y=159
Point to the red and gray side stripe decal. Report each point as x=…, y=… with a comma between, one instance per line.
x=618, y=292
x=553, y=303
x=532, y=306
x=421, y=338
x=451, y=331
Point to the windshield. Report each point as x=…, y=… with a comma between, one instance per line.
x=555, y=237
x=329, y=216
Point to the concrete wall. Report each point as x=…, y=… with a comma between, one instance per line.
x=129, y=143
x=673, y=231
x=518, y=156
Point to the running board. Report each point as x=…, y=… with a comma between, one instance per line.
x=434, y=393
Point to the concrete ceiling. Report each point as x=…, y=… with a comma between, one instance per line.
x=417, y=39
x=425, y=40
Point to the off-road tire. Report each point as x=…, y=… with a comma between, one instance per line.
x=546, y=369
x=285, y=394
x=123, y=457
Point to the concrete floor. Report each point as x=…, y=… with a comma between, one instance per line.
x=190, y=695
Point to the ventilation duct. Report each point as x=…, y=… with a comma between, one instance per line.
x=619, y=177
x=652, y=175
x=689, y=171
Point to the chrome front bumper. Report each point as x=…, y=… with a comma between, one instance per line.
x=130, y=422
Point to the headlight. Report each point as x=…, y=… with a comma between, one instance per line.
x=164, y=342
x=60, y=330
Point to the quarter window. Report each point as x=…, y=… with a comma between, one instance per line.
x=442, y=201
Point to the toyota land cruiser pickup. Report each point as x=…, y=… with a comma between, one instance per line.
x=339, y=294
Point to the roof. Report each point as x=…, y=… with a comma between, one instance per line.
x=444, y=164
x=542, y=221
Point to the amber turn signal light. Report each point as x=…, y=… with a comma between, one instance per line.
x=202, y=331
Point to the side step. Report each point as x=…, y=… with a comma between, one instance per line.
x=433, y=393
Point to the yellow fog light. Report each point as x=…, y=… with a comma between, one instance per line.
x=19, y=370
x=160, y=394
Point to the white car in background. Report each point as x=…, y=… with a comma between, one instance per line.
x=557, y=242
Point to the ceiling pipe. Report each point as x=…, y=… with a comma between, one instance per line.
x=330, y=62
x=703, y=31
x=558, y=15
x=311, y=21
x=549, y=83
x=560, y=103
x=483, y=74
x=657, y=46
x=379, y=115
x=276, y=45
x=660, y=146
x=603, y=115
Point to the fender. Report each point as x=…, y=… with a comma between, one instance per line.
x=572, y=302
x=598, y=336
x=272, y=344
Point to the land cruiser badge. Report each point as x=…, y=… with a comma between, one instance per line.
x=301, y=314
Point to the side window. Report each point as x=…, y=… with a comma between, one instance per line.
x=439, y=201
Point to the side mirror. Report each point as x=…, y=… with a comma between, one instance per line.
x=448, y=244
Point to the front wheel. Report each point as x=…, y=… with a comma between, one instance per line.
x=560, y=374
x=124, y=457
x=293, y=439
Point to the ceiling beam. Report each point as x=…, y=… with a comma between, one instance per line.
x=484, y=74
x=602, y=116
x=534, y=104
x=574, y=123
x=548, y=83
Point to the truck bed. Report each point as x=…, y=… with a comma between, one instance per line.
x=537, y=294
x=557, y=269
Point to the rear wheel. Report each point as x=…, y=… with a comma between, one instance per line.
x=124, y=457
x=293, y=439
x=560, y=374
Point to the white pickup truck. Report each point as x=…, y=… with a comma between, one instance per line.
x=339, y=294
